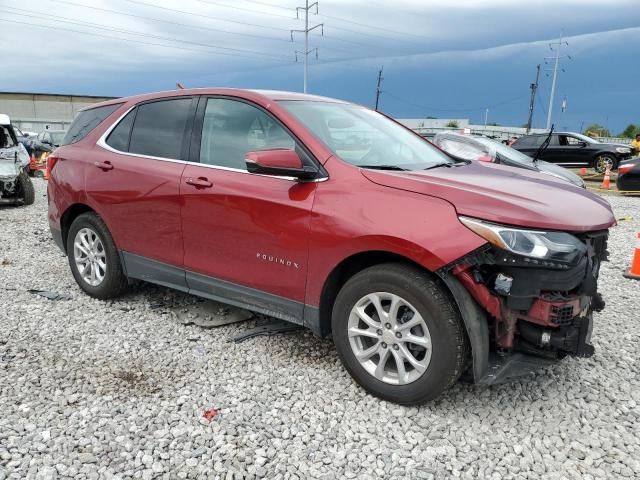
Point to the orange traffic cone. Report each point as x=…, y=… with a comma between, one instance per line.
x=583, y=171
x=606, y=181
x=634, y=270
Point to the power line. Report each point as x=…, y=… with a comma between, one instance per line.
x=340, y=19
x=374, y=27
x=201, y=15
x=132, y=33
x=210, y=2
x=171, y=22
x=192, y=26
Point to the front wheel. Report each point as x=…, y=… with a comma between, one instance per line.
x=603, y=160
x=399, y=334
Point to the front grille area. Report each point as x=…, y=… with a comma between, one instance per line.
x=562, y=315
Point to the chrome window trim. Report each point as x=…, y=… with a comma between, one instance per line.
x=102, y=142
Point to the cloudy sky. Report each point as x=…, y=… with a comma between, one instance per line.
x=441, y=58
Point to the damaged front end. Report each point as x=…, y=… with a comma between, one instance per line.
x=538, y=291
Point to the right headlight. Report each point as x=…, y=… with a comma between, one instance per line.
x=536, y=244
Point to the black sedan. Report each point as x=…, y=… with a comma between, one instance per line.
x=574, y=150
x=485, y=149
x=629, y=175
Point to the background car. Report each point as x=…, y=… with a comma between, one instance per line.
x=488, y=150
x=15, y=186
x=629, y=175
x=53, y=138
x=10, y=144
x=574, y=150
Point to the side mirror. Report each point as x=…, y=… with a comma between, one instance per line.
x=582, y=144
x=281, y=162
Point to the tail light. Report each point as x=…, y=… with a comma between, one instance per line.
x=485, y=158
x=51, y=162
x=622, y=169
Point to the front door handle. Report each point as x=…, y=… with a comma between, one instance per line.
x=106, y=165
x=200, y=182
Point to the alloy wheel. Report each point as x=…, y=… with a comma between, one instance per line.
x=90, y=256
x=601, y=163
x=389, y=338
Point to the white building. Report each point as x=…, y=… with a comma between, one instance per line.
x=35, y=111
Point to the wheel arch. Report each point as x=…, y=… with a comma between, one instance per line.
x=473, y=316
x=70, y=214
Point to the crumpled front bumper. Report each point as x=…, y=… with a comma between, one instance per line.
x=545, y=314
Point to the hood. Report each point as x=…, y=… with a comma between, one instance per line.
x=558, y=171
x=511, y=196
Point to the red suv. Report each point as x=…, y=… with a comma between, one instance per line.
x=420, y=265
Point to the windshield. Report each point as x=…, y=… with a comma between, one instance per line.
x=505, y=151
x=366, y=138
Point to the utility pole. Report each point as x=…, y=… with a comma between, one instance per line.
x=486, y=116
x=534, y=89
x=306, y=31
x=378, y=90
x=556, y=62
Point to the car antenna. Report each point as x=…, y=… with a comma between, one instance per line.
x=544, y=145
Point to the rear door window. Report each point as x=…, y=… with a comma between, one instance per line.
x=159, y=128
x=86, y=121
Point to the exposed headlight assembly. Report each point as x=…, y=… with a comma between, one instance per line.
x=623, y=150
x=550, y=246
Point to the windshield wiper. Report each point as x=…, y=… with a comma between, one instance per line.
x=543, y=146
x=383, y=167
x=443, y=164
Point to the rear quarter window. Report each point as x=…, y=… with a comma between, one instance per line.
x=86, y=121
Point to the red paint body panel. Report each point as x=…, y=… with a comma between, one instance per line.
x=139, y=200
x=248, y=229
x=280, y=158
x=506, y=195
x=352, y=214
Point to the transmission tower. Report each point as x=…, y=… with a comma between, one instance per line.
x=306, y=31
x=378, y=89
x=534, y=89
x=557, y=47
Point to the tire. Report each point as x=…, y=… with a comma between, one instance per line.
x=106, y=261
x=441, y=364
x=26, y=189
x=601, y=160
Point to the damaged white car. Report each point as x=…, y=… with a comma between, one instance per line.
x=15, y=185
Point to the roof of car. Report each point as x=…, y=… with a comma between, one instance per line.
x=274, y=95
x=555, y=133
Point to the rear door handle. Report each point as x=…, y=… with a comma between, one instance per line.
x=200, y=182
x=106, y=165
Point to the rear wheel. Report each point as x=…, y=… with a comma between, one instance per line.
x=93, y=258
x=399, y=334
x=603, y=160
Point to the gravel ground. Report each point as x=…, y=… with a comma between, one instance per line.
x=92, y=389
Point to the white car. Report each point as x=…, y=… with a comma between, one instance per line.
x=15, y=185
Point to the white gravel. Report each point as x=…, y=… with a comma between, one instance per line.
x=92, y=389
